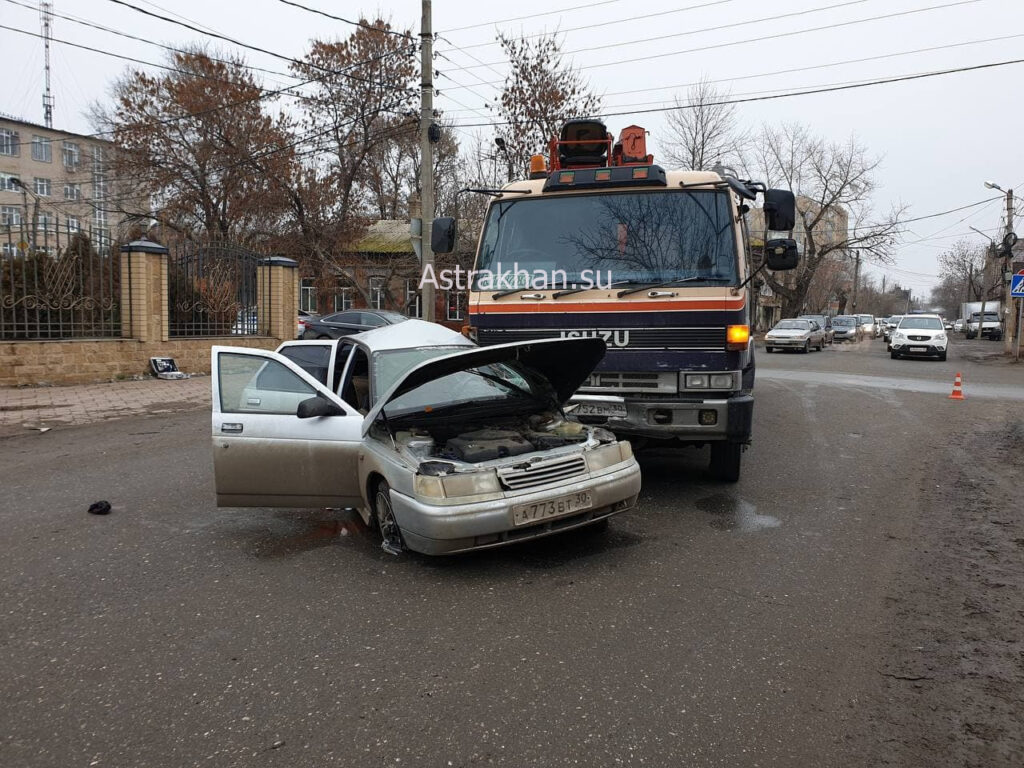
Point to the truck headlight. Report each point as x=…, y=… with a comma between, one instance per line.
x=609, y=455
x=721, y=381
x=696, y=381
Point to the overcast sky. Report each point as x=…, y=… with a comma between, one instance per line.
x=940, y=137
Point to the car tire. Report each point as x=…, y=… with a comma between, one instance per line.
x=806, y=349
x=821, y=345
x=725, y=461
x=769, y=350
x=384, y=515
x=894, y=355
x=942, y=357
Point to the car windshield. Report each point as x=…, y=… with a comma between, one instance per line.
x=845, y=322
x=989, y=317
x=490, y=383
x=792, y=325
x=819, y=319
x=867, y=319
x=612, y=238
x=929, y=323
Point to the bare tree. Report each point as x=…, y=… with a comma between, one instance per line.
x=703, y=130
x=834, y=184
x=541, y=92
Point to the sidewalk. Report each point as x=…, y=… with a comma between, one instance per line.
x=28, y=408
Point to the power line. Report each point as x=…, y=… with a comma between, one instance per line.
x=644, y=17
x=531, y=16
x=346, y=21
x=777, y=36
x=809, y=92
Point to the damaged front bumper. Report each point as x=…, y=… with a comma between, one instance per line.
x=697, y=421
x=436, y=529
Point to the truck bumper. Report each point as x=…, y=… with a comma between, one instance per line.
x=693, y=421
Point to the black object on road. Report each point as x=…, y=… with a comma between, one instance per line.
x=99, y=508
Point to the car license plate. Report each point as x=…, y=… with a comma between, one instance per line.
x=919, y=349
x=524, y=514
x=601, y=409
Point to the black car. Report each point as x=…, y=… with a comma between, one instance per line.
x=348, y=322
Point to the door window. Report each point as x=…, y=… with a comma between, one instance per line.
x=257, y=385
x=314, y=359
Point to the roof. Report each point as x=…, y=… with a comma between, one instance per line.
x=386, y=236
x=408, y=334
x=39, y=127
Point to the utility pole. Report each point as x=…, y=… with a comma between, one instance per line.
x=427, y=153
x=856, y=278
x=1008, y=313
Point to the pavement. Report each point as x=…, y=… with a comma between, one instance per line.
x=43, y=408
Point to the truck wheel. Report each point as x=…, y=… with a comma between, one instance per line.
x=725, y=461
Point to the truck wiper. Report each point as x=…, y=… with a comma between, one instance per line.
x=510, y=291
x=678, y=281
x=570, y=291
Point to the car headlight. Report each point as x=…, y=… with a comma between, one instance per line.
x=940, y=337
x=609, y=455
x=899, y=336
x=458, y=484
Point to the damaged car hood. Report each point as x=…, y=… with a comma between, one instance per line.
x=565, y=363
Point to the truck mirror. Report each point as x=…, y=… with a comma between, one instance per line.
x=442, y=235
x=781, y=254
x=779, y=210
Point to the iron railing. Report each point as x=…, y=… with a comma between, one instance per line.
x=213, y=292
x=58, y=281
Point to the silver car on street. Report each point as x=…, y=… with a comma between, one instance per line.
x=442, y=445
x=797, y=333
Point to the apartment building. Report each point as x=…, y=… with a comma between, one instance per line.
x=52, y=185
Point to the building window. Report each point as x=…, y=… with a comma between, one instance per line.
x=72, y=155
x=41, y=149
x=413, y=298
x=99, y=219
x=307, y=295
x=10, y=216
x=44, y=221
x=342, y=299
x=72, y=191
x=10, y=249
x=73, y=224
x=42, y=187
x=9, y=143
x=377, y=293
x=456, y=305
x=7, y=182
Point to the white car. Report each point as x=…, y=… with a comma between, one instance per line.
x=919, y=336
x=443, y=445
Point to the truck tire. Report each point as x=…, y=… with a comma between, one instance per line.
x=725, y=461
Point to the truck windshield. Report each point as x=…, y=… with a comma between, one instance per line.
x=636, y=237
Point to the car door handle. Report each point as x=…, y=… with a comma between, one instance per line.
x=232, y=428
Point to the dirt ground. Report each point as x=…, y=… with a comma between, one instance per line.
x=952, y=692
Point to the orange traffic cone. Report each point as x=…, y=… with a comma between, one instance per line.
x=957, y=392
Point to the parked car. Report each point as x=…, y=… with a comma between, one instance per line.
x=919, y=336
x=867, y=326
x=826, y=325
x=796, y=333
x=890, y=326
x=959, y=325
x=846, y=328
x=947, y=324
x=443, y=446
x=348, y=322
x=303, y=317
x=246, y=322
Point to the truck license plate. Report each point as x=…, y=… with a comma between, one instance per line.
x=523, y=514
x=602, y=409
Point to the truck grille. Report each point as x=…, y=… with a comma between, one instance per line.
x=542, y=472
x=632, y=382
x=616, y=338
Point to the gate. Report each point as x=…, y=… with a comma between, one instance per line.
x=212, y=290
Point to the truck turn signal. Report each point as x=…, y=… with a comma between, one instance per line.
x=737, y=337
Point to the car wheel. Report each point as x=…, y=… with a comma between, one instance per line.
x=893, y=355
x=725, y=461
x=821, y=345
x=769, y=350
x=807, y=348
x=390, y=534
x=942, y=357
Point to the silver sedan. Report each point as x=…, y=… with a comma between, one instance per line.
x=797, y=333
x=442, y=445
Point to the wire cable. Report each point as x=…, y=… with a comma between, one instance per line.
x=346, y=21
x=531, y=16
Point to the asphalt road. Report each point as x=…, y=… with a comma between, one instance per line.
x=716, y=625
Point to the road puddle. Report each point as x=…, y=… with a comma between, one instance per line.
x=731, y=514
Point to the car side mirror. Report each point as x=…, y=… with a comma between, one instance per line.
x=779, y=210
x=314, y=407
x=781, y=254
x=442, y=235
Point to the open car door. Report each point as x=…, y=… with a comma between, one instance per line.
x=264, y=455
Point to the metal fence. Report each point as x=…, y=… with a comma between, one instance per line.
x=58, y=281
x=213, y=291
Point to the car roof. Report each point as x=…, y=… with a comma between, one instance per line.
x=409, y=334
